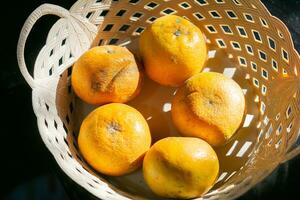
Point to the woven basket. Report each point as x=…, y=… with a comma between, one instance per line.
x=245, y=43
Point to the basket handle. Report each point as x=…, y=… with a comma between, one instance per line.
x=44, y=9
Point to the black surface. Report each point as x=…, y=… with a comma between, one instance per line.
x=27, y=169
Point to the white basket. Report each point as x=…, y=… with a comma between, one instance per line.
x=257, y=52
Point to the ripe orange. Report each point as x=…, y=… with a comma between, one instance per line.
x=106, y=74
x=172, y=49
x=180, y=167
x=114, y=138
x=209, y=106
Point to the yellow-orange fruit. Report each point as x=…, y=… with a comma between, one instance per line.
x=180, y=167
x=172, y=49
x=114, y=138
x=209, y=106
x=106, y=74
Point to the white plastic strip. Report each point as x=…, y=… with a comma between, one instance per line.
x=211, y=54
x=244, y=148
x=222, y=176
x=248, y=120
x=229, y=72
x=232, y=148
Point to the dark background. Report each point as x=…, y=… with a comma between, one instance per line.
x=27, y=169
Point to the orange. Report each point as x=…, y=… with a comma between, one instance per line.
x=114, y=138
x=209, y=106
x=106, y=74
x=172, y=49
x=180, y=167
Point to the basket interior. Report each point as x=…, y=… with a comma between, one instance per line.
x=245, y=43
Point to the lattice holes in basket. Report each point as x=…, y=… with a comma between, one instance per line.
x=245, y=43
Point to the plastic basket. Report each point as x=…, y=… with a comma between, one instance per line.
x=255, y=48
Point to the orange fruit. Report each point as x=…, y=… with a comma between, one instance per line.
x=209, y=106
x=114, y=138
x=172, y=49
x=106, y=74
x=180, y=167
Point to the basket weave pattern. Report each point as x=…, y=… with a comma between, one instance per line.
x=256, y=51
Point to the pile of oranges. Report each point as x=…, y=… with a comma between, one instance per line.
x=207, y=109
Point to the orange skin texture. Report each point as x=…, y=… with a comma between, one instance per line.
x=114, y=138
x=209, y=106
x=180, y=167
x=172, y=49
x=106, y=74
